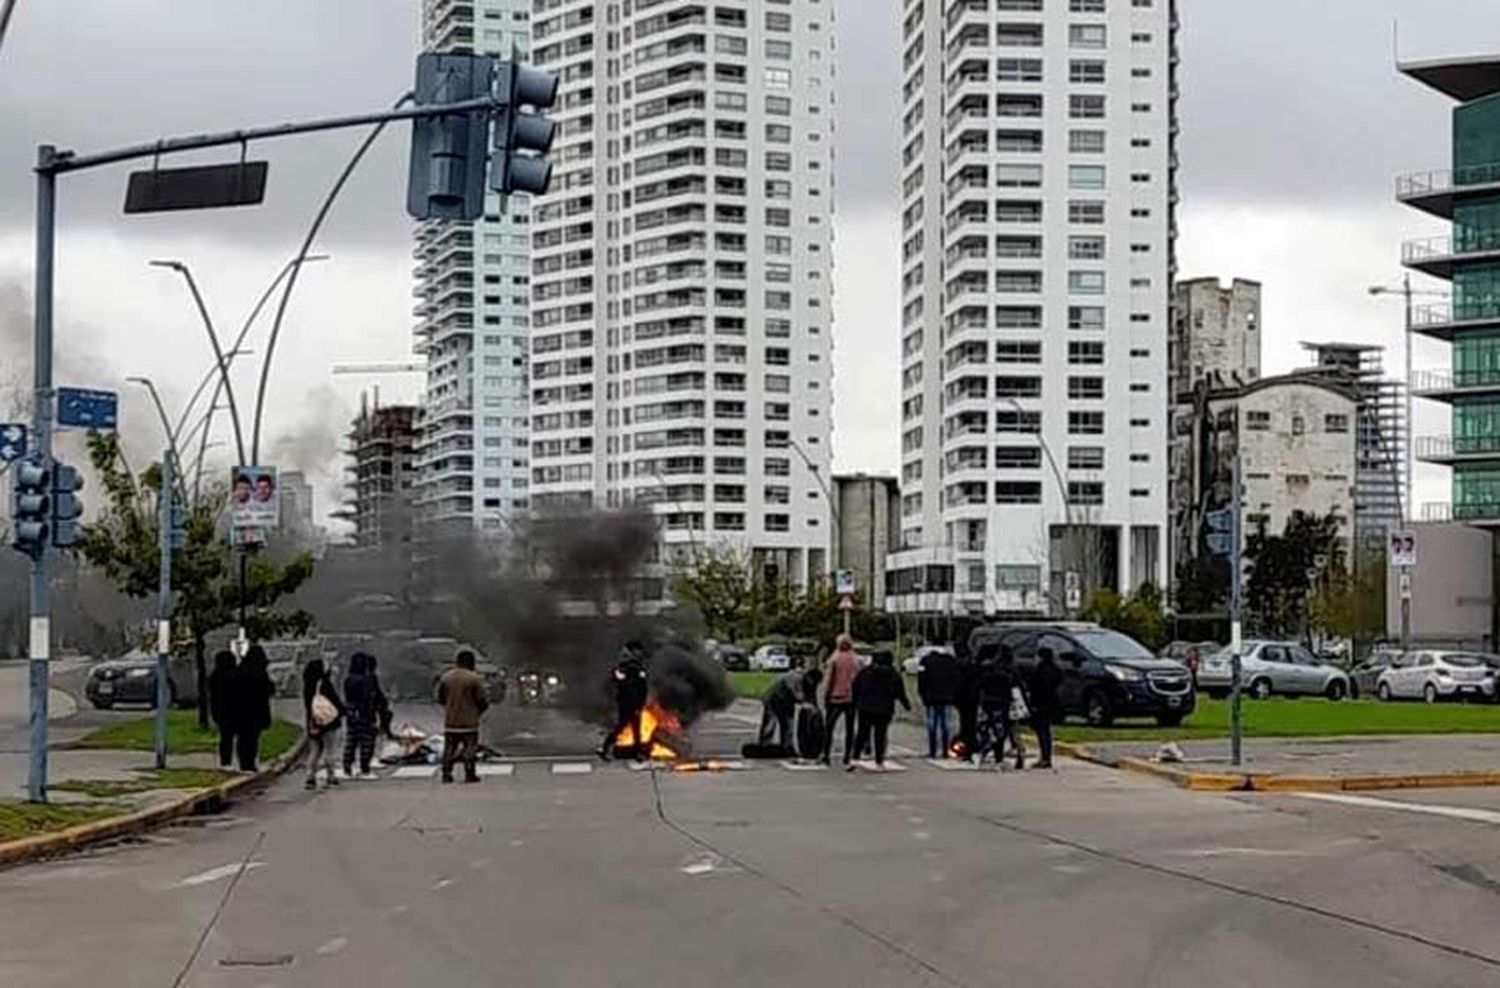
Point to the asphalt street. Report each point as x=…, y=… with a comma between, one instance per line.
x=552, y=873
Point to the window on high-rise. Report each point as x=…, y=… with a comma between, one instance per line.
x=1090, y=211
x=1086, y=107
x=1018, y=70
x=1086, y=70
x=1085, y=176
x=1086, y=141
x=1086, y=36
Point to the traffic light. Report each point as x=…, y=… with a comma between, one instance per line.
x=66, y=508
x=450, y=153
x=523, y=131
x=30, y=506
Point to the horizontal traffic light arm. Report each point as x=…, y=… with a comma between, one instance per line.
x=68, y=161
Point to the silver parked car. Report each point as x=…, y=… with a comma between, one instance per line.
x=1434, y=675
x=1268, y=667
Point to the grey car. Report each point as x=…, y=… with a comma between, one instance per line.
x=1268, y=667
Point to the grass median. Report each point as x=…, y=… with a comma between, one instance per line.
x=1282, y=717
x=750, y=685
x=184, y=736
x=19, y=820
x=146, y=780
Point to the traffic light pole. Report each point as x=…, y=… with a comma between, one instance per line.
x=164, y=602
x=40, y=646
x=1236, y=614
x=51, y=163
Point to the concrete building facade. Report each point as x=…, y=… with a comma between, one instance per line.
x=1038, y=193
x=1453, y=588
x=1215, y=334
x=866, y=518
x=473, y=311
x=681, y=281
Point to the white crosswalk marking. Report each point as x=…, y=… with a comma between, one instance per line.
x=502, y=770
x=571, y=768
x=415, y=772
x=953, y=764
x=1470, y=813
x=801, y=766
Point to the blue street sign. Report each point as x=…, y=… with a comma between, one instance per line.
x=87, y=409
x=1220, y=543
x=1220, y=521
x=12, y=441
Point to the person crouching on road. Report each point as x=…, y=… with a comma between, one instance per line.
x=462, y=693
x=221, y=704
x=365, y=701
x=1041, y=698
x=937, y=686
x=838, y=697
x=877, y=690
x=779, y=703
x=629, y=681
x=325, y=718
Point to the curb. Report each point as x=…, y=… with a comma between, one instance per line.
x=1269, y=782
x=199, y=801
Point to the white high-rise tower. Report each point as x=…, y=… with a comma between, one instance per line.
x=473, y=286
x=681, y=302
x=1038, y=189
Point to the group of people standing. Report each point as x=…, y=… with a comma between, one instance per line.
x=991, y=695
x=349, y=722
x=239, y=701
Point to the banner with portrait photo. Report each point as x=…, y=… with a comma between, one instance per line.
x=254, y=499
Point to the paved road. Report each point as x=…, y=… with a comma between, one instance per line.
x=550, y=876
x=1372, y=755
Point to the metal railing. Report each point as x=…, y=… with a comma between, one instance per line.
x=1447, y=447
x=1441, y=180
x=1447, y=380
x=1438, y=248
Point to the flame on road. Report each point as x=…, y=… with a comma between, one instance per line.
x=655, y=722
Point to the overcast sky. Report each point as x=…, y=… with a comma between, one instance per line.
x=1294, y=127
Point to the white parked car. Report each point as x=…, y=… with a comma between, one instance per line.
x=770, y=658
x=1272, y=667
x=1438, y=675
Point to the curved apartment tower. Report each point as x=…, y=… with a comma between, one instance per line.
x=1038, y=189
x=681, y=271
x=1468, y=194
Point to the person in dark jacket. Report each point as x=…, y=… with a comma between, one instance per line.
x=322, y=731
x=366, y=703
x=997, y=689
x=877, y=690
x=937, y=686
x=1041, y=698
x=253, y=690
x=630, y=683
x=221, y=704
x=966, y=699
x=780, y=701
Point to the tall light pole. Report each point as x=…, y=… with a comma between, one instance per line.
x=1057, y=476
x=1408, y=499
x=837, y=542
x=213, y=339
x=6, y=10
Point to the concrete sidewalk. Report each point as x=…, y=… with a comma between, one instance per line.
x=1375, y=762
x=72, y=764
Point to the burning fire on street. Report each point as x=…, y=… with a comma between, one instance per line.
x=661, y=729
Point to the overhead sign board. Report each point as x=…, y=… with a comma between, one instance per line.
x=87, y=409
x=1403, y=548
x=162, y=190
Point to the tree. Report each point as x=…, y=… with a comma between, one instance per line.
x=1141, y=615
x=123, y=543
x=1278, y=591
x=1202, y=585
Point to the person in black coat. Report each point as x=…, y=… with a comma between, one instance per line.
x=997, y=689
x=367, y=707
x=877, y=690
x=937, y=686
x=221, y=704
x=779, y=703
x=630, y=683
x=253, y=690
x=966, y=699
x=1041, y=698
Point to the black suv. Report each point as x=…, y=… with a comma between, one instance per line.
x=1104, y=674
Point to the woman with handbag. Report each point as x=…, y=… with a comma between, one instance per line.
x=325, y=716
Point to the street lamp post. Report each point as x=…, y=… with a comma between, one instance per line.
x=1057, y=476
x=1408, y=498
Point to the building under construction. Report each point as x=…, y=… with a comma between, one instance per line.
x=1381, y=436
x=382, y=446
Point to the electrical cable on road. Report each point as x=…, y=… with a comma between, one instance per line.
x=915, y=959
x=213, y=920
